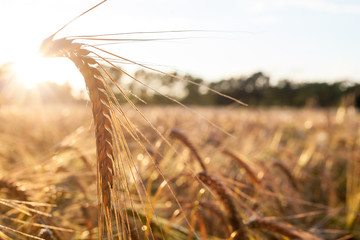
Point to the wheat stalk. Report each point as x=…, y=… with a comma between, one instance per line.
x=236, y=221
x=213, y=208
x=281, y=228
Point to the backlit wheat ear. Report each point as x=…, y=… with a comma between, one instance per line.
x=177, y=134
x=102, y=120
x=236, y=221
x=252, y=177
x=100, y=109
x=287, y=172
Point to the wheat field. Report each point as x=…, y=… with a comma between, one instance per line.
x=267, y=174
x=110, y=167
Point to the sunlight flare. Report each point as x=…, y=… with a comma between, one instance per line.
x=32, y=69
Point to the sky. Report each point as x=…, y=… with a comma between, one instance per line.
x=303, y=40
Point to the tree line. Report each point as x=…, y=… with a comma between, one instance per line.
x=254, y=90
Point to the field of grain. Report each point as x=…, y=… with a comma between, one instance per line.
x=218, y=173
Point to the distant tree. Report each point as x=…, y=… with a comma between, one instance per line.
x=193, y=95
x=254, y=90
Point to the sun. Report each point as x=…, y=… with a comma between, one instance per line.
x=32, y=69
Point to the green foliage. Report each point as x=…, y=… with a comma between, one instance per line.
x=254, y=90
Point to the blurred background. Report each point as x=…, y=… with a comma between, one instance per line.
x=294, y=53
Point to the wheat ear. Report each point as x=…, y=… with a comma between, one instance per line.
x=287, y=172
x=235, y=220
x=251, y=175
x=102, y=121
x=100, y=106
x=177, y=134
